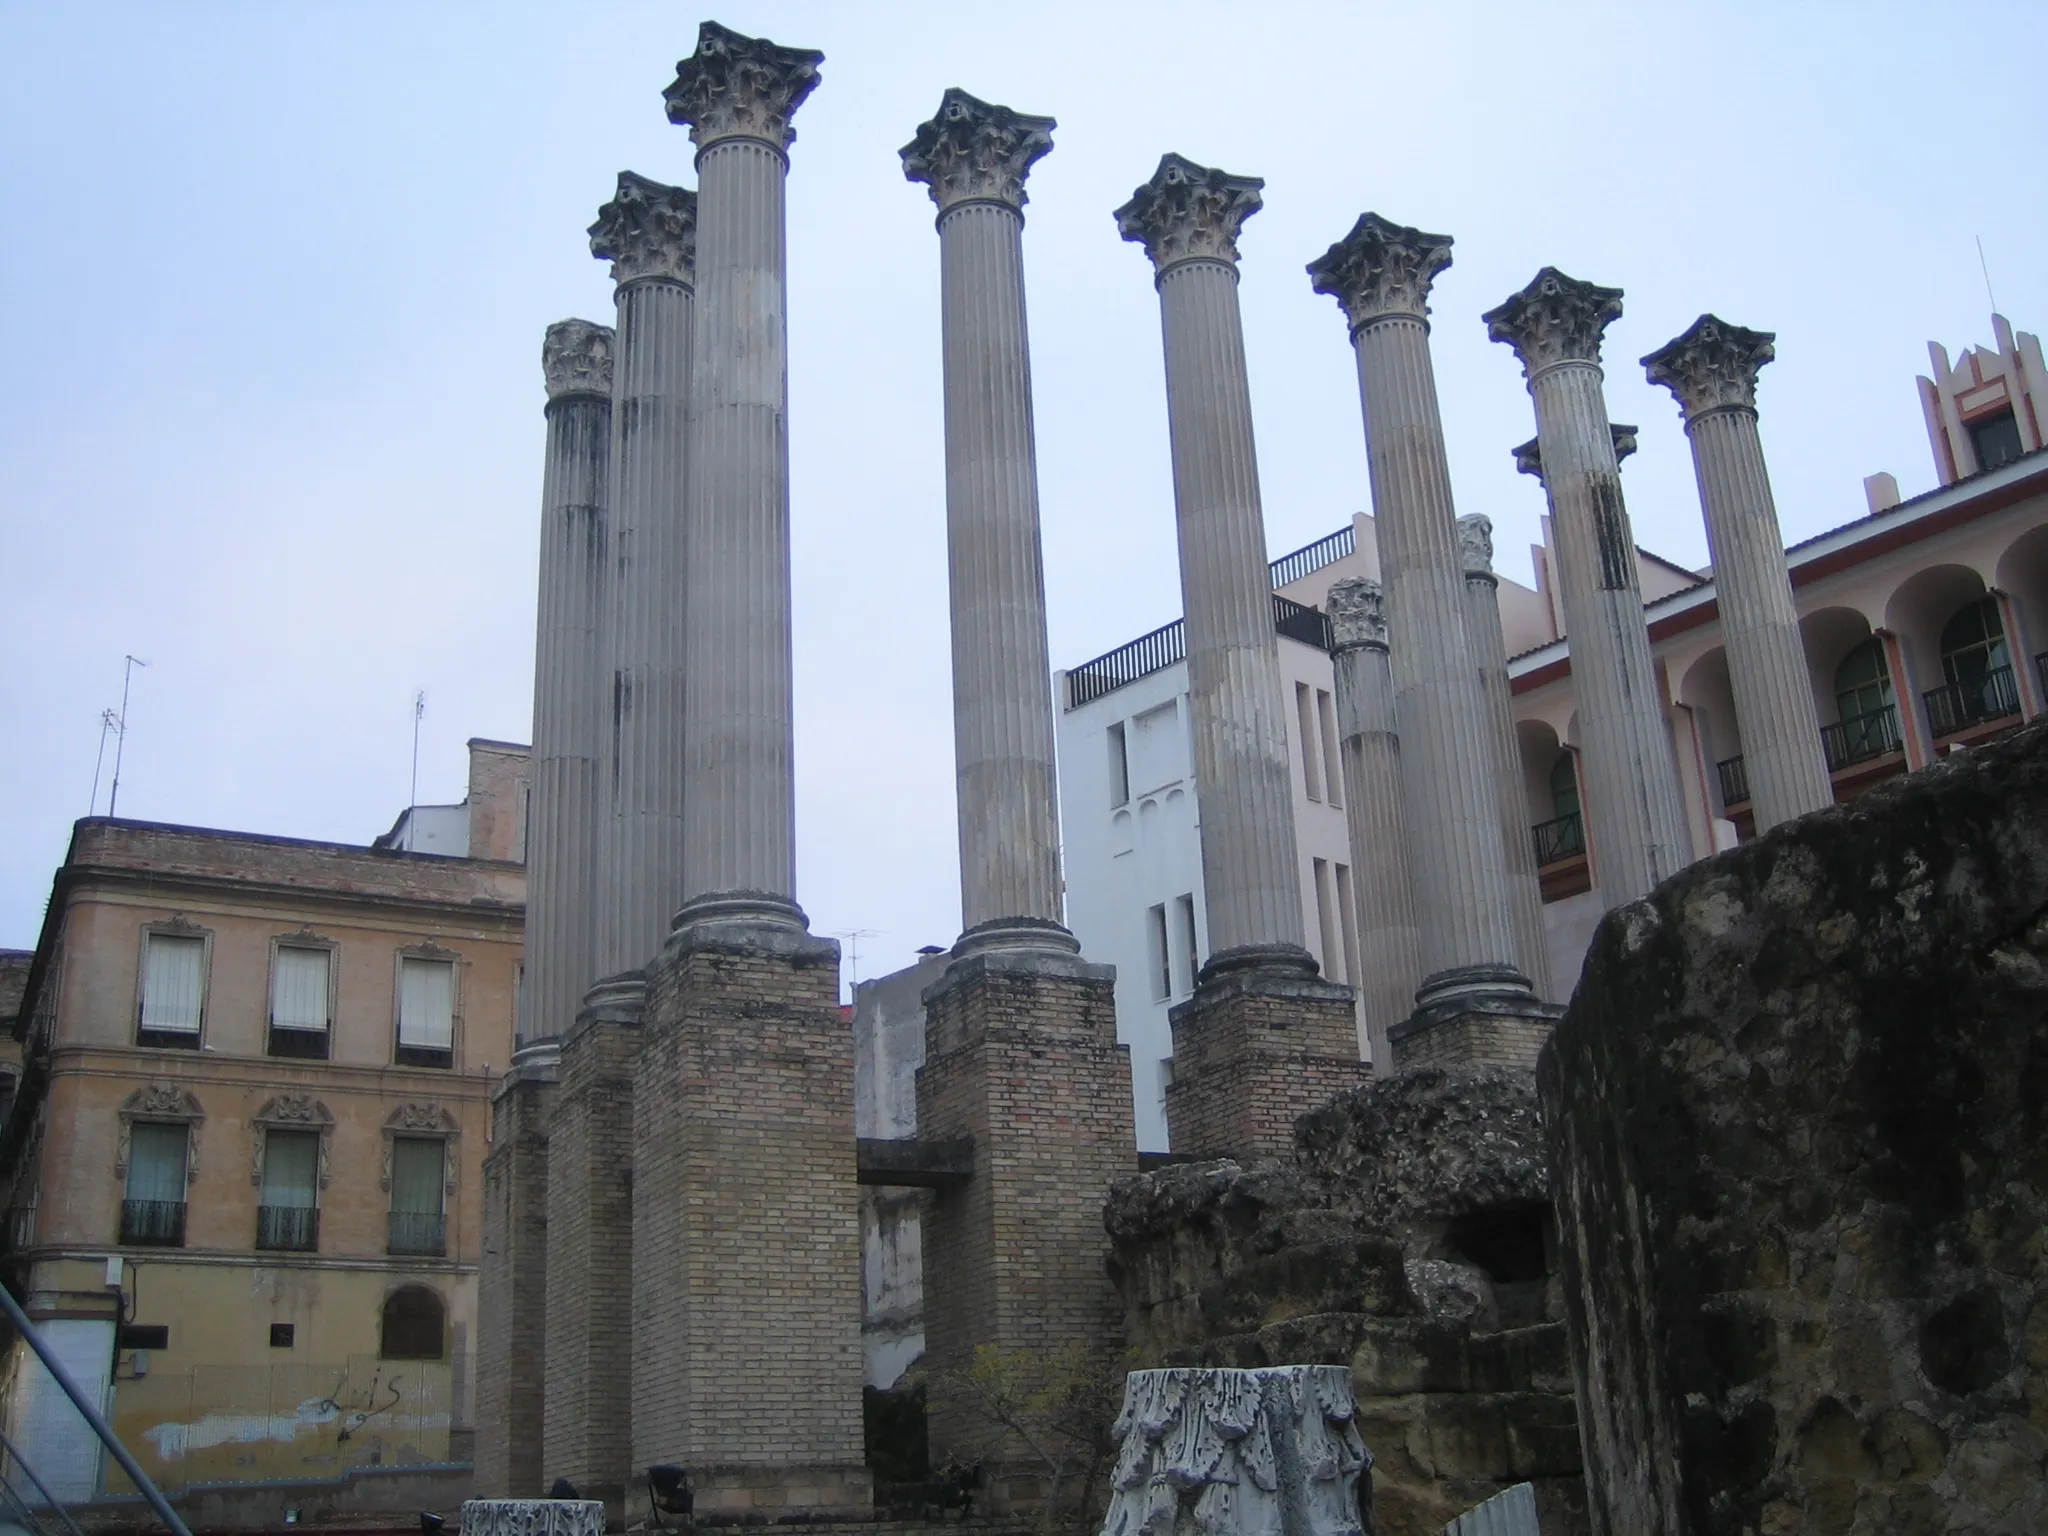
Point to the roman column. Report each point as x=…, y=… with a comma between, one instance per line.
x=1511, y=798
x=648, y=234
x=975, y=158
x=1380, y=274
x=737, y=96
x=1635, y=813
x=1263, y=1039
x=568, y=714
x=1712, y=370
x=1187, y=218
x=1370, y=747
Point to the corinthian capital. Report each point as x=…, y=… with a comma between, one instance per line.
x=1358, y=614
x=576, y=359
x=736, y=87
x=1529, y=457
x=975, y=152
x=1556, y=319
x=1381, y=268
x=1712, y=366
x=1188, y=212
x=1475, y=545
x=647, y=230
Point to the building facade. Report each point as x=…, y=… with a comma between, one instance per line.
x=1920, y=625
x=243, y=1169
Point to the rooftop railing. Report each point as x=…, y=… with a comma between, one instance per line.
x=1312, y=557
x=1168, y=645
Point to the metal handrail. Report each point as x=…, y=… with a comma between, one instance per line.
x=1327, y=550
x=418, y=1234
x=1955, y=706
x=21, y=1461
x=1563, y=837
x=1158, y=649
x=1858, y=738
x=61, y=1374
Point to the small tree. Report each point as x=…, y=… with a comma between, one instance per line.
x=1062, y=1406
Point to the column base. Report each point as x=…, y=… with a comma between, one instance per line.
x=1263, y=1041
x=1028, y=934
x=746, y=1274
x=1475, y=1028
x=1021, y=1057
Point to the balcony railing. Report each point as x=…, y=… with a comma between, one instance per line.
x=1734, y=778
x=1168, y=644
x=160, y=1223
x=290, y=1228
x=419, y=1233
x=1859, y=738
x=1957, y=706
x=1564, y=838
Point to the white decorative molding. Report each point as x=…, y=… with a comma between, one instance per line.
x=1238, y=1453
x=532, y=1517
x=159, y=1103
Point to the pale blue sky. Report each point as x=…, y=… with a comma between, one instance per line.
x=274, y=279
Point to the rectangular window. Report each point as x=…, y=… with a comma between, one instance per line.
x=288, y=1219
x=1184, y=912
x=1333, y=763
x=144, y=1336
x=417, y=1224
x=1347, y=924
x=1308, y=741
x=299, y=992
x=173, y=990
x=1326, y=920
x=1119, y=767
x=1995, y=440
x=281, y=1335
x=153, y=1203
x=1158, y=953
x=426, y=1012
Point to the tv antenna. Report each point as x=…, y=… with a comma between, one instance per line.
x=1985, y=267
x=419, y=713
x=110, y=721
x=853, y=936
x=130, y=663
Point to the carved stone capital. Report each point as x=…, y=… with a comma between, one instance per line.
x=1381, y=268
x=1189, y=212
x=1529, y=456
x=648, y=229
x=1475, y=545
x=1358, y=614
x=976, y=152
x=736, y=87
x=1556, y=319
x=1712, y=366
x=576, y=359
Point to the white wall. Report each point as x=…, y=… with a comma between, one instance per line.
x=42, y=1423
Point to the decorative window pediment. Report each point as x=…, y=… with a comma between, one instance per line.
x=422, y=1119
x=159, y=1103
x=290, y=1112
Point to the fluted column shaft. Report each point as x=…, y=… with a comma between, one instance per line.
x=1490, y=659
x=1370, y=748
x=738, y=780
x=1454, y=824
x=568, y=709
x=1781, y=746
x=640, y=860
x=1002, y=692
x=1632, y=800
x=1240, y=735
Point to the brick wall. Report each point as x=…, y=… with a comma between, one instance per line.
x=746, y=1258
x=512, y=1290
x=1250, y=1055
x=1022, y=1056
x=587, y=1429
x=1470, y=1040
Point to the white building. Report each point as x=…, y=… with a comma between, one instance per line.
x=1919, y=623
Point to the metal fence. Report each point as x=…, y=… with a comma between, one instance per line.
x=1560, y=839
x=1956, y=706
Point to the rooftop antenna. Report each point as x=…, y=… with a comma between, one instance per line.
x=121, y=729
x=109, y=721
x=419, y=713
x=853, y=936
x=1985, y=267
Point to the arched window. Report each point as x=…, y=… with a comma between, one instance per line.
x=1564, y=786
x=415, y=1325
x=1973, y=643
x=1863, y=685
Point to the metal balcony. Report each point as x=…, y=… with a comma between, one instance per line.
x=1734, y=778
x=418, y=1234
x=157, y=1223
x=1563, y=838
x=1957, y=706
x=288, y=1228
x=1859, y=738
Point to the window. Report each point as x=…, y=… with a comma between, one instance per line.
x=1119, y=767
x=282, y=1335
x=288, y=1217
x=1158, y=953
x=1996, y=440
x=1333, y=762
x=426, y=1012
x=1326, y=920
x=1564, y=786
x=143, y=1336
x=414, y=1325
x=1347, y=923
x=1973, y=643
x=1184, y=912
x=300, y=989
x=153, y=1205
x=1863, y=686
x=1308, y=740
x=417, y=1225
x=173, y=990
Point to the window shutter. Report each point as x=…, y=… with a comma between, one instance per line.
x=291, y=1163
x=416, y=1164
x=156, y=1162
x=173, y=977
x=299, y=989
x=426, y=1004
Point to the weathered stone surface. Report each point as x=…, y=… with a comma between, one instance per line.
x=1799, y=1125
x=533, y=1517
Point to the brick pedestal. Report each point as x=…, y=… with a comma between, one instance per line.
x=1475, y=1036
x=1021, y=1056
x=1253, y=1050
x=512, y=1283
x=587, y=1416
x=746, y=1306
